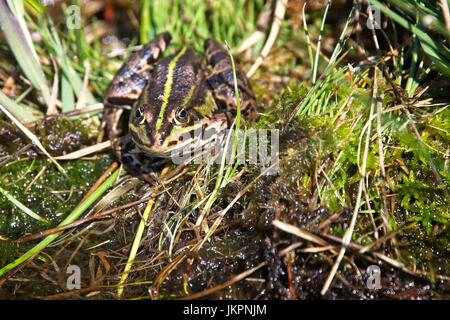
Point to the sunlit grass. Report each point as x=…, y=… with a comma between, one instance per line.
x=416, y=17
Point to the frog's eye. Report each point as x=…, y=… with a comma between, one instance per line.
x=138, y=113
x=181, y=116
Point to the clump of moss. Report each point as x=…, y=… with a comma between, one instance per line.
x=284, y=103
x=53, y=195
x=61, y=135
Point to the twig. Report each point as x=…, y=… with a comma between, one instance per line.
x=90, y=108
x=85, y=151
x=289, y=260
x=305, y=235
x=280, y=10
x=51, y=109
x=446, y=14
x=258, y=34
x=82, y=98
x=41, y=172
x=65, y=295
x=351, y=245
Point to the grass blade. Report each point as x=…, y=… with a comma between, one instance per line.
x=17, y=110
x=434, y=48
x=22, y=207
x=51, y=37
x=19, y=41
x=145, y=21
x=319, y=42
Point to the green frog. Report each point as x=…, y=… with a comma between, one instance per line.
x=172, y=98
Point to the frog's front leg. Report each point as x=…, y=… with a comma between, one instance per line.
x=133, y=75
x=125, y=89
x=221, y=81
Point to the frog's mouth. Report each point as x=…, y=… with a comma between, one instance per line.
x=187, y=142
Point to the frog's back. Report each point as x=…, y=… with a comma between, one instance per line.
x=174, y=76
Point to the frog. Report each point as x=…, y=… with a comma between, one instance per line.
x=169, y=98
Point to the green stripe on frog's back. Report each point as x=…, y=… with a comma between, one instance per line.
x=168, y=87
x=208, y=107
x=189, y=96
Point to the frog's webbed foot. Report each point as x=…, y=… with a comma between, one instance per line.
x=222, y=83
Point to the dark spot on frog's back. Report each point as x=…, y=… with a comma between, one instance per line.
x=123, y=73
x=225, y=76
x=214, y=81
x=148, y=51
x=216, y=58
x=131, y=162
x=126, y=90
x=139, y=81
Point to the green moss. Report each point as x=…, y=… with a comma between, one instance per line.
x=61, y=135
x=284, y=104
x=52, y=196
x=8, y=250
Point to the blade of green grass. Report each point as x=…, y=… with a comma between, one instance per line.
x=17, y=110
x=327, y=77
x=145, y=20
x=433, y=47
x=18, y=11
x=35, y=7
x=53, y=41
x=135, y=246
x=423, y=9
x=19, y=40
x=308, y=40
x=67, y=95
x=22, y=207
x=319, y=43
x=412, y=69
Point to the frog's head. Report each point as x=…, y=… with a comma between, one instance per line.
x=181, y=130
x=176, y=110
